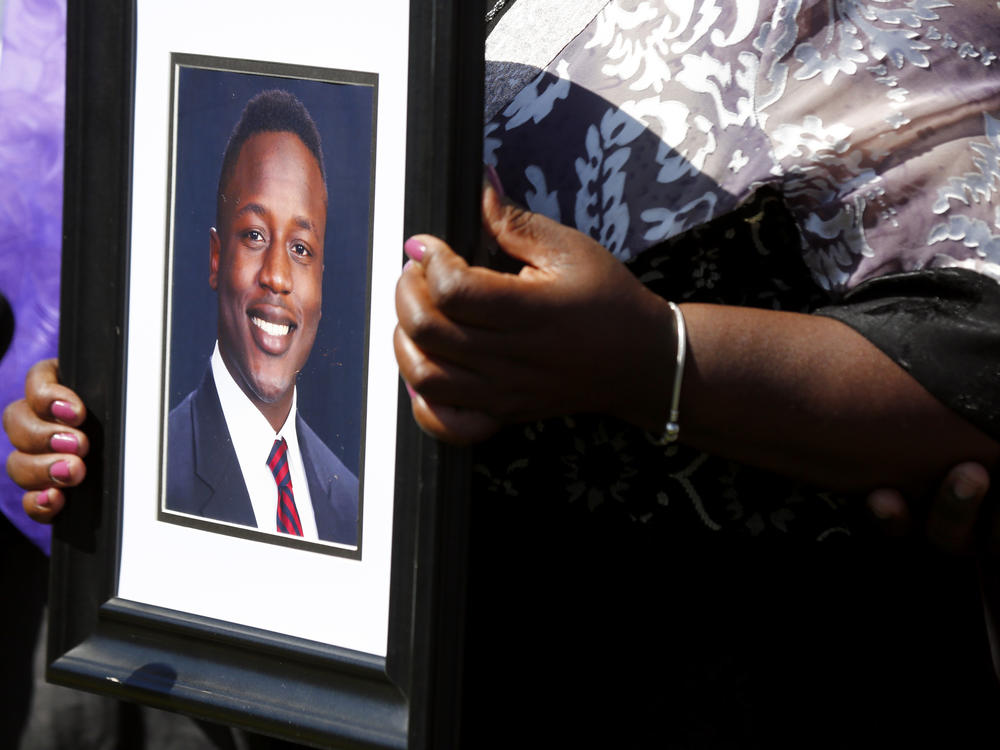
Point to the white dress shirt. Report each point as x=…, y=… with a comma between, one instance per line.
x=253, y=437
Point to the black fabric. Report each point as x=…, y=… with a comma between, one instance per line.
x=588, y=635
x=23, y=573
x=6, y=325
x=943, y=327
x=594, y=465
x=628, y=595
x=622, y=595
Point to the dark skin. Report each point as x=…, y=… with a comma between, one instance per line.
x=266, y=264
x=34, y=429
x=573, y=331
x=478, y=348
x=801, y=395
x=492, y=375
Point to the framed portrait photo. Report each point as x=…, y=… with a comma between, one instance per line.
x=264, y=538
x=321, y=333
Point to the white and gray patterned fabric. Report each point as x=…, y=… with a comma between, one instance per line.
x=668, y=129
x=877, y=120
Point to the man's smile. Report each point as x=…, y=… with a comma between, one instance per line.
x=272, y=329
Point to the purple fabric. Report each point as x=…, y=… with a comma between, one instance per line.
x=32, y=95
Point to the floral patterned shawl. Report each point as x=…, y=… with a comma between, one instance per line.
x=827, y=156
x=878, y=121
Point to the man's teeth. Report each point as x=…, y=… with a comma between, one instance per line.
x=271, y=329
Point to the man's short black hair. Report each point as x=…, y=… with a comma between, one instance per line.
x=272, y=111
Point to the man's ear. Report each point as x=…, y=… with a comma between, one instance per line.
x=214, y=247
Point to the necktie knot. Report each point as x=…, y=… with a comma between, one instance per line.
x=287, y=517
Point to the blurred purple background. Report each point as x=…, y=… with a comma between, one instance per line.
x=32, y=93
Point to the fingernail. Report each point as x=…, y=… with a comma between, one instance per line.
x=414, y=249
x=42, y=500
x=62, y=410
x=409, y=389
x=964, y=489
x=408, y=264
x=60, y=471
x=494, y=178
x=882, y=505
x=63, y=442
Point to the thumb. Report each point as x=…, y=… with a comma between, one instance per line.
x=524, y=235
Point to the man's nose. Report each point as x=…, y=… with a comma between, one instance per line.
x=276, y=269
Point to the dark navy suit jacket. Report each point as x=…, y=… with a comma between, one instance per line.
x=204, y=476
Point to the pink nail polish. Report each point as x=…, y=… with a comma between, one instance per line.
x=494, y=178
x=60, y=471
x=414, y=249
x=409, y=389
x=62, y=410
x=63, y=442
x=43, y=500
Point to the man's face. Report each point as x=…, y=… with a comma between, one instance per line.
x=267, y=267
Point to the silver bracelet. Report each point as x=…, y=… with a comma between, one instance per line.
x=672, y=428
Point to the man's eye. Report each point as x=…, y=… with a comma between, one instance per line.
x=254, y=235
x=301, y=250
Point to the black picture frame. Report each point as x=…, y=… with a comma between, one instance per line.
x=214, y=670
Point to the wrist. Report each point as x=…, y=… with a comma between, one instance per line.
x=647, y=393
x=672, y=427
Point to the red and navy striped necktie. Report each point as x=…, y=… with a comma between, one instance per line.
x=288, y=516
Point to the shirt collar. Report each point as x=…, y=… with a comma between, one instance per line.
x=250, y=431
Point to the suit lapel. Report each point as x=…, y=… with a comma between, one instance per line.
x=319, y=486
x=215, y=459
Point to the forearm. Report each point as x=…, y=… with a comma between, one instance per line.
x=574, y=331
x=809, y=397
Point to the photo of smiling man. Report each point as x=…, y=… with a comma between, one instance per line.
x=239, y=450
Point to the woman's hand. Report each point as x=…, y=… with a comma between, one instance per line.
x=574, y=331
x=955, y=520
x=50, y=449
x=479, y=348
